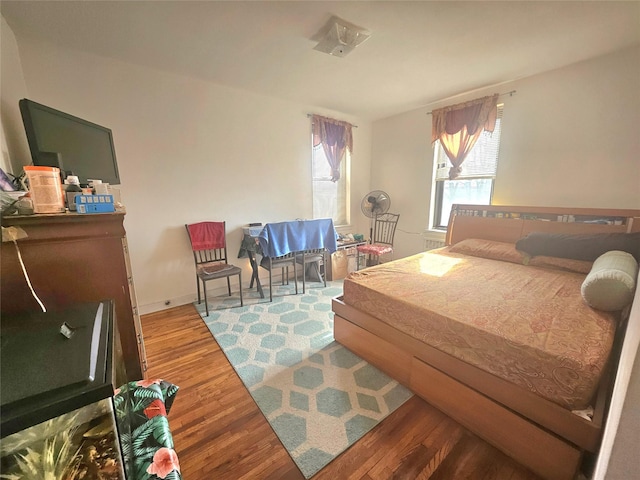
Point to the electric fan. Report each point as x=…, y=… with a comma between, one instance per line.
x=375, y=203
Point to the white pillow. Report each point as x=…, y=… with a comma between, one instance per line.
x=610, y=284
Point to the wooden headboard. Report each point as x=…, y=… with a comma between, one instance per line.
x=505, y=223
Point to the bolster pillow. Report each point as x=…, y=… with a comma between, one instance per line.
x=611, y=283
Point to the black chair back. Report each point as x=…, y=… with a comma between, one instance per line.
x=385, y=228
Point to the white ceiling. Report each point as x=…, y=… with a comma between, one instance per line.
x=419, y=52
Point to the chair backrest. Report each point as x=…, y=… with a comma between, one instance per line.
x=312, y=255
x=385, y=228
x=208, y=241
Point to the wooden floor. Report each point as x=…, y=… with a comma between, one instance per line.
x=219, y=432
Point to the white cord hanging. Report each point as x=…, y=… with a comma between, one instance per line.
x=11, y=232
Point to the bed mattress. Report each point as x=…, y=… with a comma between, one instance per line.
x=525, y=324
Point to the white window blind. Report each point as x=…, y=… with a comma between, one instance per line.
x=481, y=162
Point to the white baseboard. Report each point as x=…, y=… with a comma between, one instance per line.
x=168, y=303
x=193, y=297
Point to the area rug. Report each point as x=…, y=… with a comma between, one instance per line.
x=318, y=396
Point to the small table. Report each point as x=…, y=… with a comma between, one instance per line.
x=248, y=248
x=342, y=244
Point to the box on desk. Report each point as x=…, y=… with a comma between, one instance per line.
x=94, y=203
x=252, y=231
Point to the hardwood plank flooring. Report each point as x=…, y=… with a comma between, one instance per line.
x=219, y=432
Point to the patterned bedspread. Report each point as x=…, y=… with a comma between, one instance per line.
x=526, y=324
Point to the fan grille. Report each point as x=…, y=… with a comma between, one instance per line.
x=375, y=203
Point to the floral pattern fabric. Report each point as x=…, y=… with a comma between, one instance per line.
x=145, y=437
x=375, y=249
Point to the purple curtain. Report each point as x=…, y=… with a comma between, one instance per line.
x=335, y=137
x=458, y=128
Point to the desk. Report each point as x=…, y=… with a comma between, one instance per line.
x=342, y=244
x=299, y=235
x=248, y=248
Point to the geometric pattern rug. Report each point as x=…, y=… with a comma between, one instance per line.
x=318, y=396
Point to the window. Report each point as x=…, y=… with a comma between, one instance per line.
x=475, y=183
x=330, y=199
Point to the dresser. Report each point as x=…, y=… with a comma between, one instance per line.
x=73, y=258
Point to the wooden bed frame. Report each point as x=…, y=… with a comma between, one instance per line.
x=536, y=432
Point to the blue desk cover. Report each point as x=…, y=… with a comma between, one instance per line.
x=277, y=239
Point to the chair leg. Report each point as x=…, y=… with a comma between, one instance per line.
x=316, y=269
x=270, y=286
x=295, y=274
x=229, y=285
x=324, y=264
x=320, y=275
x=206, y=303
x=240, y=282
x=198, y=285
x=304, y=274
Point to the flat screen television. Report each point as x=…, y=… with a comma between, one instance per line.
x=58, y=139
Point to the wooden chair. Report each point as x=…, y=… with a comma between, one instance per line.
x=284, y=262
x=314, y=258
x=209, y=246
x=381, y=243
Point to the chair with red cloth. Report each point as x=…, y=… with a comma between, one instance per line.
x=381, y=243
x=209, y=246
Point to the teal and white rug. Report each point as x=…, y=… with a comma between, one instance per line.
x=318, y=396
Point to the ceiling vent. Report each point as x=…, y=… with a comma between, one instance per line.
x=339, y=37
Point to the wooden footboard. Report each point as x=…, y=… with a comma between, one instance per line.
x=541, y=435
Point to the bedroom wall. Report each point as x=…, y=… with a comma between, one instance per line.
x=188, y=151
x=12, y=85
x=569, y=138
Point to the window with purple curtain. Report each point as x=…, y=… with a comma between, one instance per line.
x=458, y=128
x=332, y=143
x=474, y=180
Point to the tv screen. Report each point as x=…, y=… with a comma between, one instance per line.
x=75, y=145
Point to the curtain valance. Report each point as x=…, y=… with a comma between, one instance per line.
x=474, y=114
x=458, y=128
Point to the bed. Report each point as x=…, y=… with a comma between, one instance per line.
x=500, y=340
